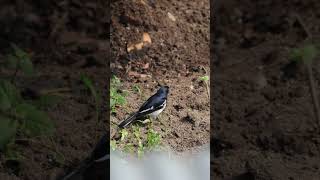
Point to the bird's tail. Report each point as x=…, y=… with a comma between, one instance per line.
x=128, y=121
x=80, y=169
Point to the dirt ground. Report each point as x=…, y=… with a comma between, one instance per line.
x=65, y=38
x=177, y=56
x=263, y=120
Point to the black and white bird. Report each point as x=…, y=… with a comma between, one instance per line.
x=95, y=164
x=152, y=107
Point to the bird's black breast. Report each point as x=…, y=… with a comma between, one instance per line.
x=101, y=148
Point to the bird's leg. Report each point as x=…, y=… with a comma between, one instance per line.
x=145, y=121
x=160, y=120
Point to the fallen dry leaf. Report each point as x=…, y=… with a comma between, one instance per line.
x=146, y=38
x=171, y=17
x=143, y=2
x=130, y=48
x=146, y=66
x=138, y=46
x=143, y=75
x=138, y=75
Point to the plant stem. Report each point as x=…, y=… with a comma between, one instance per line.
x=14, y=75
x=313, y=93
x=208, y=91
x=207, y=84
x=11, y=115
x=304, y=26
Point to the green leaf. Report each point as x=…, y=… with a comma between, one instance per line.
x=124, y=134
x=8, y=129
x=136, y=89
x=12, y=154
x=11, y=91
x=153, y=139
x=129, y=148
x=115, y=81
x=23, y=60
x=305, y=54
x=112, y=102
x=117, y=97
x=113, y=144
x=88, y=83
x=136, y=132
x=140, y=149
x=47, y=101
x=5, y=103
x=26, y=66
x=12, y=62
x=36, y=122
x=18, y=51
x=309, y=53
x=204, y=78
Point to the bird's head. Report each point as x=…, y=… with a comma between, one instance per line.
x=164, y=89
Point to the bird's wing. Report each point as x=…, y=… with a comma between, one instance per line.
x=151, y=106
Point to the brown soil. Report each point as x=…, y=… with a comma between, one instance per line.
x=264, y=126
x=66, y=38
x=177, y=56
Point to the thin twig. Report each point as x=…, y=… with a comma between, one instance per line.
x=313, y=93
x=312, y=83
x=56, y=90
x=304, y=26
x=207, y=85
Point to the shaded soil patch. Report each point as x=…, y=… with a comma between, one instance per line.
x=66, y=39
x=264, y=124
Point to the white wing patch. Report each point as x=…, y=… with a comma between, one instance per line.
x=164, y=103
x=104, y=158
x=149, y=109
x=152, y=107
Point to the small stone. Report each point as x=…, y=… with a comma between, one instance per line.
x=146, y=38
x=171, y=17
x=176, y=134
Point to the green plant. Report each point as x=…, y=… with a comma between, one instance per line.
x=142, y=142
x=124, y=133
x=153, y=139
x=128, y=148
x=141, y=149
x=136, y=132
x=19, y=60
x=117, y=97
x=205, y=79
x=46, y=100
x=136, y=88
x=113, y=144
x=12, y=153
x=89, y=84
x=307, y=54
x=17, y=115
x=138, y=138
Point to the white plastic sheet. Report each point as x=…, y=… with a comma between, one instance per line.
x=161, y=166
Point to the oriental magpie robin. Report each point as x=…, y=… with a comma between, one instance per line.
x=100, y=154
x=153, y=107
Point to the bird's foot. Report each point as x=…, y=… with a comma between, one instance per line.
x=145, y=121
